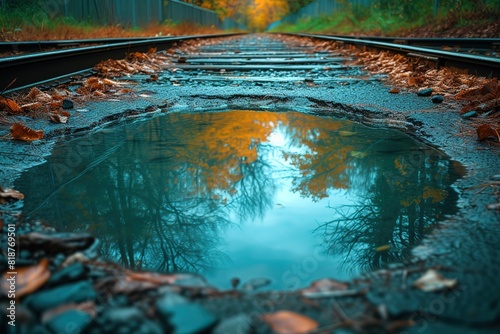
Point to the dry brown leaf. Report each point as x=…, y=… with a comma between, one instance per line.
x=58, y=118
x=9, y=105
x=31, y=106
x=22, y=132
x=152, y=277
x=55, y=105
x=11, y=193
x=432, y=280
x=287, y=322
x=28, y=279
x=327, y=284
x=485, y=131
x=37, y=95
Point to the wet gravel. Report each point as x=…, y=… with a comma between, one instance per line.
x=85, y=296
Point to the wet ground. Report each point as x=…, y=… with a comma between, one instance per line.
x=462, y=247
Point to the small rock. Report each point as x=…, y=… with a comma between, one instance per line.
x=72, y=321
x=437, y=99
x=124, y=320
x=470, y=114
x=69, y=293
x=191, y=318
x=240, y=323
x=255, y=283
x=169, y=300
x=184, y=316
x=67, y=104
x=424, y=92
x=71, y=273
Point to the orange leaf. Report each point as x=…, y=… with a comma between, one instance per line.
x=9, y=105
x=31, y=106
x=22, y=132
x=38, y=95
x=287, y=322
x=11, y=193
x=485, y=131
x=57, y=118
x=28, y=279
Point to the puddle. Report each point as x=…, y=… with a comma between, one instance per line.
x=286, y=196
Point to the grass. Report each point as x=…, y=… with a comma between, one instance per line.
x=31, y=23
x=397, y=20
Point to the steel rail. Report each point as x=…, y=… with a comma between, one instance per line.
x=492, y=44
x=40, y=46
x=31, y=69
x=474, y=64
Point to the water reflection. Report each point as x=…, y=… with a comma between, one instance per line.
x=166, y=193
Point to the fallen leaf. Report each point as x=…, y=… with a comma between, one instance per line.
x=255, y=283
x=434, y=281
x=27, y=279
x=485, y=131
x=394, y=91
x=327, y=284
x=22, y=132
x=382, y=248
x=9, y=105
x=37, y=95
x=358, y=154
x=88, y=307
x=57, y=118
x=31, y=106
x=11, y=193
x=287, y=322
x=346, y=133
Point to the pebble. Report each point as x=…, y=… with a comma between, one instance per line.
x=255, y=283
x=124, y=320
x=424, y=92
x=470, y=114
x=185, y=317
x=437, y=99
x=71, y=273
x=67, y=104
x=240, y=323
x=72, y=321
x=69, y=293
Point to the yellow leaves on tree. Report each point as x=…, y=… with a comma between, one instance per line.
x=264, y=12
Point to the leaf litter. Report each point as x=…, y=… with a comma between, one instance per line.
x=52, y=104
x=403, y=73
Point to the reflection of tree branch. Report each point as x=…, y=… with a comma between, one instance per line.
x=385, y=226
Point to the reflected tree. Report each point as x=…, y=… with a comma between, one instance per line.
x=409, y=194
x=160, y=193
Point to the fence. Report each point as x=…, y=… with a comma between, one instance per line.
x=139, y=13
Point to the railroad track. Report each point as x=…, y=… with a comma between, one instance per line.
x=59, y=66
x=473, y=63
x=41, y=46
x=458, y=44
x=268, y=54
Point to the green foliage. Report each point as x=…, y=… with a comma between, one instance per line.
x=389, y=17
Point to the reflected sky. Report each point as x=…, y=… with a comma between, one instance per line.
x=286, y=196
